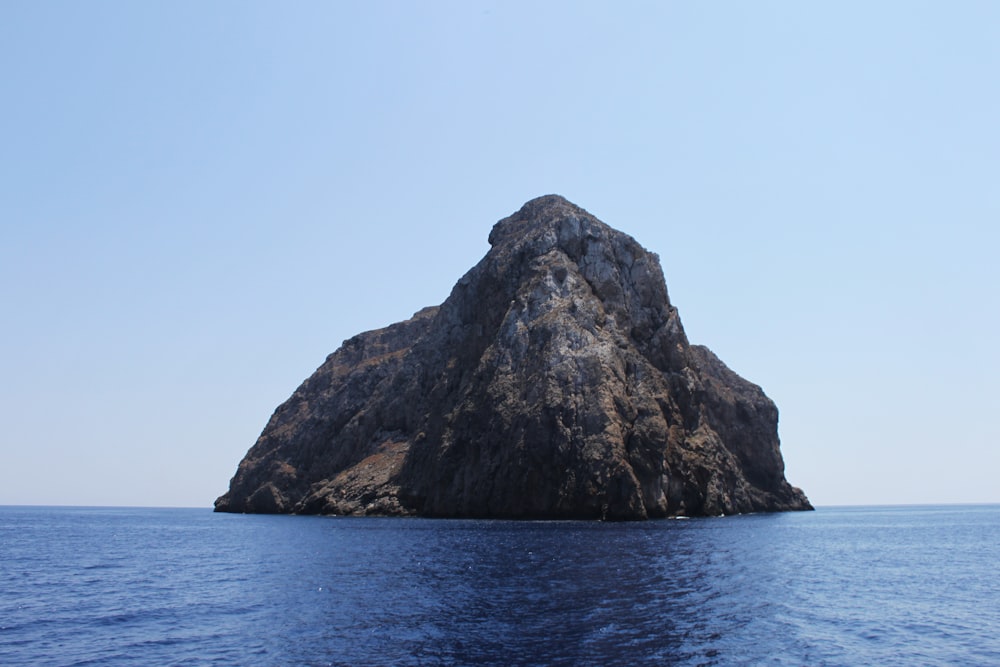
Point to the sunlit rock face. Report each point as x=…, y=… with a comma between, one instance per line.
x=555, y=381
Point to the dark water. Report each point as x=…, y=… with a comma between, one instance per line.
x=886, y=586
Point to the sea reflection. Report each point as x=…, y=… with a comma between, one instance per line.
x=421, y=591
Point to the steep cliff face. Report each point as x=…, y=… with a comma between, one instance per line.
x=555, y=381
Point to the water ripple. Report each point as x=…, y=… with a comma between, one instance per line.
x=182, y=587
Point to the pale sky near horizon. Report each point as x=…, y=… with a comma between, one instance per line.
x=200, y=201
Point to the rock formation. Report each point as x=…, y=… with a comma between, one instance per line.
x=555, y=381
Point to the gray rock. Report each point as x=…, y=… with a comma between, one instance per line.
x=555, y=381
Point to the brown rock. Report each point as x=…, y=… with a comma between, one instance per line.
x=555, y=381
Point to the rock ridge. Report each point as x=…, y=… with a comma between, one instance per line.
x=555, y=381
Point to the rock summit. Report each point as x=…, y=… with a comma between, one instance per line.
x=555, y=381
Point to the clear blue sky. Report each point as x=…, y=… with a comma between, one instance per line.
x=200, y=201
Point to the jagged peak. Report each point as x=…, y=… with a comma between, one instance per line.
x=548, y=207
x=539, y=214
x=553, y=222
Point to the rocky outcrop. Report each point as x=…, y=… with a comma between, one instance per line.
x=555, y=381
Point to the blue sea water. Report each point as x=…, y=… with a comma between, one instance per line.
x=839, y=586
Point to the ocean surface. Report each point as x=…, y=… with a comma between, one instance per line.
x=839, y=586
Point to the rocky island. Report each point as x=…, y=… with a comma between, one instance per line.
x=555, y=381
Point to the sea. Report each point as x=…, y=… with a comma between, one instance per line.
x=909, y=585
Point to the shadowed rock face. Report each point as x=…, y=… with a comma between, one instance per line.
x=555, y=381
